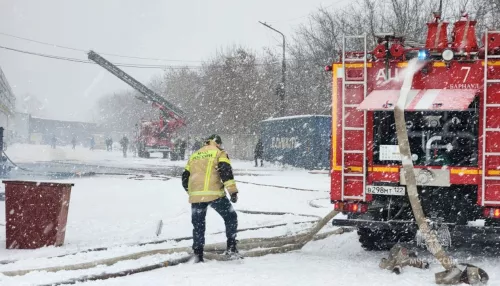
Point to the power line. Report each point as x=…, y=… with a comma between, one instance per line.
x=40, y=42
x=151, y=59
x=131, y=65
x=109, y=54
x=89, y=62
x=85, y=51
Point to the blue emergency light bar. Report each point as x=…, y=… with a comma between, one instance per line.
x=423, y=55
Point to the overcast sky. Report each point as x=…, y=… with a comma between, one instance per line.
x=190, y=30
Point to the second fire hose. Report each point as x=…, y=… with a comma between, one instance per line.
x=255, y=246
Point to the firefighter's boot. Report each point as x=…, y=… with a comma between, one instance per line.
x=232, y=252
x=198, y=256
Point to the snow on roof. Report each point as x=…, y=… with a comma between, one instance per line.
x=294, y=117
x=62, y=121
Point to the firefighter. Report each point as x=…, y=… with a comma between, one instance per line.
x=92, y=143
x=207, y=173
x=109, y=144
x=73, y=142
x=175, y=154
x=182, y=148
x=53, y=142
x=124, y=144
x=196, y=145
x=259, y=152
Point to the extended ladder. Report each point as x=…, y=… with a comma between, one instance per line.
x=149, y=96
x=345, y=82
x=486, y=105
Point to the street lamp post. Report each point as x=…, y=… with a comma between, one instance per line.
x=281, y=89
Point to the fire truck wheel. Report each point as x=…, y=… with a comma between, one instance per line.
x=492, y=222
x=375, y=240
x=490, y=248
x=165, y=155
x=146, y=154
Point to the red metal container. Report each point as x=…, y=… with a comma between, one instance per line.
x=464, y=36
x=437, y=37
x=36, y=213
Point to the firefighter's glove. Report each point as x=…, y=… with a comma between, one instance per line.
x=234, y=197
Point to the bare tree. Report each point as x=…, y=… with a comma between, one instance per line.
x=236, y=88
x=31, y=104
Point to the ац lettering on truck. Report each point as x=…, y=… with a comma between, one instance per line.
x=453, y=121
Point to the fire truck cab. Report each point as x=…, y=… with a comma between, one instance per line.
x=453, y=122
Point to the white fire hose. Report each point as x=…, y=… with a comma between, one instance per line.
x=255, y=246
x=452, y=274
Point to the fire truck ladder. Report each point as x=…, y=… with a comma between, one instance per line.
x=346, y=82
x=167, y=108
x=486, y=130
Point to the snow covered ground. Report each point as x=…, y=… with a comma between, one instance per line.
x=117, y=211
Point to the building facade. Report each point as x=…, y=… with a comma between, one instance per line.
x=7, y=103
x=42, y=131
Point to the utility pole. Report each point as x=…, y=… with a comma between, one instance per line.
x=281, y=89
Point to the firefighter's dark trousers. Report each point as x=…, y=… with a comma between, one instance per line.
x=261, y=161
x=225, y=210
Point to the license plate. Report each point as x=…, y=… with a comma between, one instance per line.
x=385, y=190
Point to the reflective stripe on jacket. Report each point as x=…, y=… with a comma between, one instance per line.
x=205, y=184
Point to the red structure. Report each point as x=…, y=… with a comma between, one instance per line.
x=158, y=136
x=437, y=37
x=453, y=123
x=36, y=213
x=152, y=135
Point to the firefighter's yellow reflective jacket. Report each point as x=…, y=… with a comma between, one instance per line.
x=206, y=174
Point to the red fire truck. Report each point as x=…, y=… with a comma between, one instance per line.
x=151, y=135
x=453, y=122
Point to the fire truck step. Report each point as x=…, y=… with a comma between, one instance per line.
x=353, y=175
x=492, y=178
x=354, y=151
x=492, y=203
x=351, y=105
x=353, y=197
x=493, y=80
x=354, y=128
x=493, y=56
x=354, y=82
x=493, y=129
x=354, y=60
x=492, y=153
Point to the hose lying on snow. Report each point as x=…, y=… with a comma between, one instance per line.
x=274, y=245
x=280, y=187
x=315, y=205
x=99, y=249
x=187, y=258
x=177, y=239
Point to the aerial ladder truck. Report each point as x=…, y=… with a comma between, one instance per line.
x=152, y=136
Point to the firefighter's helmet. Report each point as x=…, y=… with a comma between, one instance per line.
x=214, y=137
